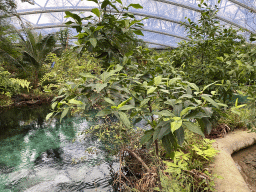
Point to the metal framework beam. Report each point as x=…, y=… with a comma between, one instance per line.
x=243, y=5
x=149, y=42
x=143, y=29
x=199, y=10
x=51, y=10
x=164, y=45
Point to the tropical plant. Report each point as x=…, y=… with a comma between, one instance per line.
x=67, y=67
x=110, y=35
x=202, y=57
x=34, y=50
x=138, y=93
x=10, y=86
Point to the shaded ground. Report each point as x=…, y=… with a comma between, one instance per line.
x=22, y=100
x=246, y=162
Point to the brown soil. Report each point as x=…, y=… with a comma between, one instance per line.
x=246, y=162
x=218, y=131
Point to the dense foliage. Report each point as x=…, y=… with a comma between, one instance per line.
x=179, y=94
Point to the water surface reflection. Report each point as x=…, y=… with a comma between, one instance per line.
x=50, y=156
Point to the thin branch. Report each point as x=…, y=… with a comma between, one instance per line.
x=138, y=158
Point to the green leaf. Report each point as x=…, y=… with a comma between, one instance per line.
x=186, y=110
x=180, y=135
x=176, y=124
x=48, y=116
x=144, y=102
x=195, y=115
x=165, y=113
x=124, y=119
x=207, y=125
x=239, y=62
x=174, y=80
x=64, y=113
x=103, y=112
x=210, y=100
x=126, y=107
x=104, y=4
x=137, y=120
x=165, y=130
x=186, y=96
x=169, y=143
x=75, y=102
x=95, y=1
x=193, y=127
x=136, y=6
x=220, y=58
x=147, y=136
x=96, y=11
x=87, y=75
x=124, y=102
x=193, y=85
x=98, y=28
x=138, y=32
x=209, y=85
x=74, y=16
x=151, y=90
x=54, y=104
x=93, y=41
x=119, y=1
x=156, y=133
x=177, y=109
x=69, y=22
x=158, y=80
x=99, y=87
x=109, y=101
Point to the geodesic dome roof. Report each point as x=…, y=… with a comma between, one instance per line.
x=162, y=29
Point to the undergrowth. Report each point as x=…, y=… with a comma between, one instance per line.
x=141, y=170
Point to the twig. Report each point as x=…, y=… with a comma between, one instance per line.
x=139, y=159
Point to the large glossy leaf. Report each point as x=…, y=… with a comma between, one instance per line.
x=186, y=111
x=158, y=80
x=126, y=107
x=176, y=124
x=193, y=127
x=96, y=11
x=64, y=113
x=165, y=130
x=156, y=133
x=207, y=124
x=104, y=4
x=165, y=113
x=109, y=101
x=147, y=136
x=74, y=16
x=75, y=102
x=151, y=90
x=177, y=109
x=169, y=143
x=210, y=100
x=180, y=135
x=124, y=119
x=48, y=116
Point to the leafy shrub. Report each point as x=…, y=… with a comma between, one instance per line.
x=10, y=86
x=67, y=68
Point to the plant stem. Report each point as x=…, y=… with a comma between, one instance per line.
x=152, y=119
